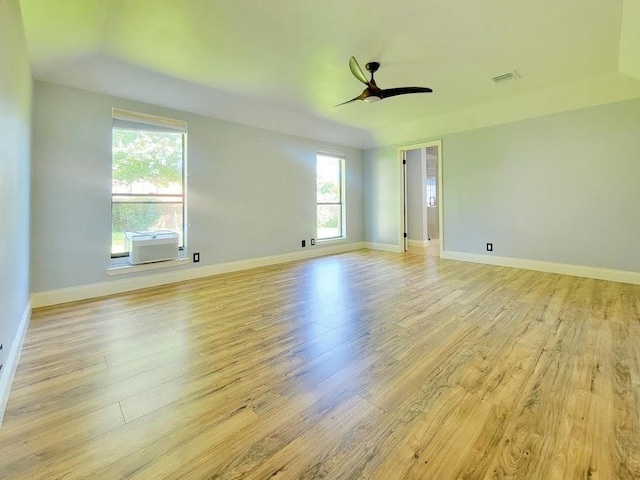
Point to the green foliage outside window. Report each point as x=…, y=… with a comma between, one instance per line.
x=153, y=157
x=146, y=183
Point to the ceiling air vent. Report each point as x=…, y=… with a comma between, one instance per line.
x=505, y=77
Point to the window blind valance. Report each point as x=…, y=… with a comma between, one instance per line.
x=128, y=120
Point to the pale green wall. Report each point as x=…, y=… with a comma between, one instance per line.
x=382, y=197
x=251, y=192
x=562, y=188
x=15, y=119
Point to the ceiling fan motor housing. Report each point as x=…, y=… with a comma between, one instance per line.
x=372, y=66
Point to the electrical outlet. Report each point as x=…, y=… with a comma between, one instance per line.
x=313, y=241
x=489, y=247
x=196, y=257
x=304, y=243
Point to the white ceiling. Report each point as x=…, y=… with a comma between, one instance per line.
x=283, y=64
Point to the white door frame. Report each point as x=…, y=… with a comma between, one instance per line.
x=405, y=219
x=403, y=193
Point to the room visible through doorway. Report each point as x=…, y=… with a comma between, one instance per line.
x=422, y=213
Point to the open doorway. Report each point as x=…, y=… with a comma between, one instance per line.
x=422, y=222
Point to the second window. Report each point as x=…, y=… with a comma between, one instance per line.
x=330, y=196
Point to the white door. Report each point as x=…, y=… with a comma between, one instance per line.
x=433, y=230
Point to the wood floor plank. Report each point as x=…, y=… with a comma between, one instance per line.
x=364, y=365
x=391, y=449
x=285, y=419
x=314, y=453
x=179, y=448
x=589, y=455
x=45, y=447
x=539, y=424
x=451, y=442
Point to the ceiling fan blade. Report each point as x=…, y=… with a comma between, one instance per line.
x=359, y=97
x=392, y=92
x=357, y=71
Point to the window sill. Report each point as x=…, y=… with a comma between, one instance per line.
x=121, y=269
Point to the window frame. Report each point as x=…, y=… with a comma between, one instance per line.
x=342, y=195
x=129, y=121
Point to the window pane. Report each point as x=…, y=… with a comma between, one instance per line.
x=328, y=179
x=329, y=221
x=147, y=183
x=147, y=162
x=134, y=217
x=431, y=191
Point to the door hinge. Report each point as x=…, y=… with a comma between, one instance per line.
x=405, y=234
x=404, y=162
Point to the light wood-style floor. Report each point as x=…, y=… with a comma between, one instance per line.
x=362, y=365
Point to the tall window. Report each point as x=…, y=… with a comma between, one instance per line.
x=330, y=196
x=148, y=188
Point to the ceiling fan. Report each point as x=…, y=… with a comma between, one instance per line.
x=373, y=93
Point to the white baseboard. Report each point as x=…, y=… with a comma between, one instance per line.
x=11, y=361
x=64, y=295
x=417, y=243
x=384, y=247
x=549, y=267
